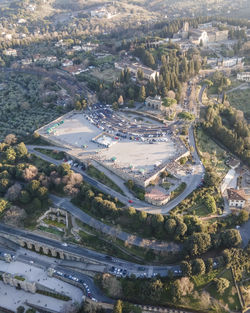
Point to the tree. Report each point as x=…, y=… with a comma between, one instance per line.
x=221, y=284
x=186, y=268
x=112, y=285
x=198, y=243
x=29, y=172
x=142, y=94
x=78, y=105
x=210, y=204
x=209, y=265
x=10, y=154
x=185, y=286
x=170, y=226
x=13, y=192
x=20, y=309
x=21, y=150
x=3, y=205
x=42, y=193
x=181, y=229
x=33, y=186
x=168, y=102
x=175, y=291
x=120, y=100
x=118, y=307
x=10, y=139
x=140, y=74
x=231, y=238
x=243, y=216
x=64, y=169
x=4, y=184
x=198, y=267
x=36, y=204
x=24, y=197
x=30, y=311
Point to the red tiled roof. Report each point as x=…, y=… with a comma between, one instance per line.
x=238, y=195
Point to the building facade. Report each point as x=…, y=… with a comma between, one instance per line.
x=244, y=76
x=236, y=198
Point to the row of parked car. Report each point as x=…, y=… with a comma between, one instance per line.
x=118, y=271
x=78, y=280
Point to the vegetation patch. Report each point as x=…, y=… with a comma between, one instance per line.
x=54, y=154
x=101, y=177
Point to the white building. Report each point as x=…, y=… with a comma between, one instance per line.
x=236, y=198
x=244, y=76
x=148, y=73
x=26, y=61
x=67, y=63
x=101, y=13
x=153, y=102
x=11, y=52
x=198, y=36
x=8, y=36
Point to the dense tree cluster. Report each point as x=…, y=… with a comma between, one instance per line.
x=228, y=125
x=22, y=183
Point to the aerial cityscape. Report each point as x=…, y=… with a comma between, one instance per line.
x=124, y=156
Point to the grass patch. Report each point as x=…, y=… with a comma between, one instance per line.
x=101, y=177
x=202, y=280
x=54, y=223
x=175, y=193
x=239, y=99
x=201, y=211
x=41, y=164
x=100, y=242
x=19, y=278
x=136, y=190
x=212, y=155
x=57, y=155
x=230, y=296
x=50, y=230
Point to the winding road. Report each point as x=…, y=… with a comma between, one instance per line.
x=192, y=181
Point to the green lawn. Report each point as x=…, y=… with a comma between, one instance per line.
x=54, y=154
x=212, y=155
x=230, y=296
x=54, y=223
x=201, y=211
x=239, y=99
x=101, y=177
x=178, y=191
x=50, y=230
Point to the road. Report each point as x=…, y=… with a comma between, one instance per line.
x=245, y=233
x=26, y=256
x=111, y=230
x=132, y=268
x=192, y=181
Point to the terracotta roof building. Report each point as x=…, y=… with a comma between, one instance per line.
x=236, y=198
x=157, y=197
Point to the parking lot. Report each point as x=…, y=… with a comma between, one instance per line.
x=138, y=149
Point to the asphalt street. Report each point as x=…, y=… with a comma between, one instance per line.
x=133, y=268
x=111, y=230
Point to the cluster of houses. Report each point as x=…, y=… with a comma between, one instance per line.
x=148, y=73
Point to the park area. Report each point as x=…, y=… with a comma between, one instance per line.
x=239, y=99
x=212, y=155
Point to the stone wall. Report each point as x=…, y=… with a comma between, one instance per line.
x=10, y=279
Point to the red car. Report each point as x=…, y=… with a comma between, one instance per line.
x=130, y=201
